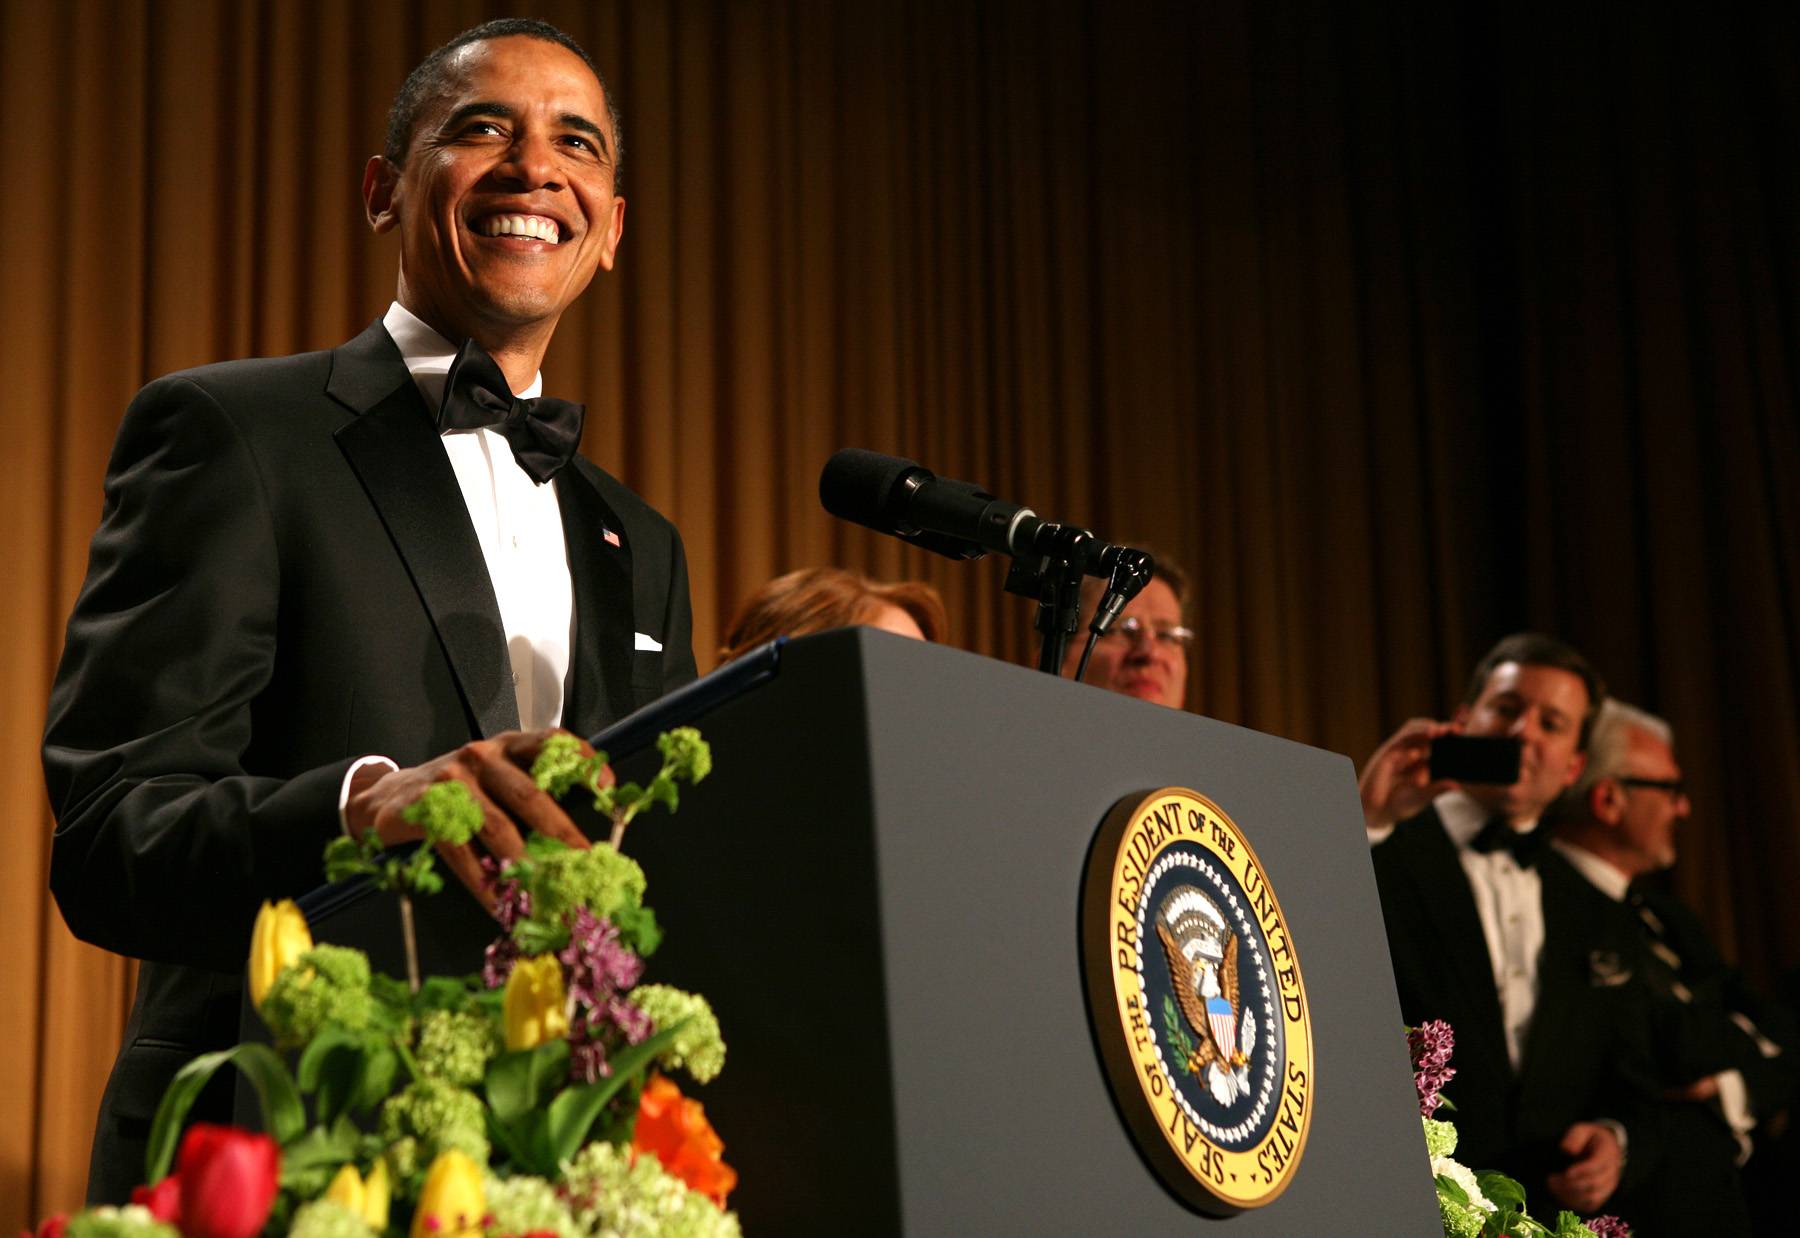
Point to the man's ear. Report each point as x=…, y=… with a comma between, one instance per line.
x=615, y=232
x=1606, y=802
x=380, y=185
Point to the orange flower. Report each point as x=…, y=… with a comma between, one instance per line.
x=675, y=1130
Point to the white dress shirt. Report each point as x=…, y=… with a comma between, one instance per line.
x=1510, y=903
x=518, y=524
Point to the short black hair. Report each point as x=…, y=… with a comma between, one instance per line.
x=426, y=82
x=1536, y=649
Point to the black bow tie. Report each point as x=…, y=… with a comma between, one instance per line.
x=543, y=433
x=1497, y=835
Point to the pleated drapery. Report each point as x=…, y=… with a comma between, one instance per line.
x=1403, y=326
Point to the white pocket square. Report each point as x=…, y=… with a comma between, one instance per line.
x=647, y=642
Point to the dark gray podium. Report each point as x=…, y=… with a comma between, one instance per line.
x=879, y=889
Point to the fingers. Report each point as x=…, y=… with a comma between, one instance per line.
x=518, y=799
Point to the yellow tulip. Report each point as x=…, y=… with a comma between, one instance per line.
x=452, y=1201
x=347, y=1190
x=534, y=1004
x=376, y=1194
x=366, y=1197
x=280, y=937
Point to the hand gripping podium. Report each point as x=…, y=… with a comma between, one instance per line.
x=880, y=888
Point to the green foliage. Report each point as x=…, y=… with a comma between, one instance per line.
x=537, y=1121
x=697, y=1047
x=686, y=758
x=424, y=1120
x=560, y=767
x=309, y=1162
x=412, y=873
x=1179, y=1040
x=562, y=878
x=455, y=1048
x=283, y=1114
x=446, y=812
x=326, y=985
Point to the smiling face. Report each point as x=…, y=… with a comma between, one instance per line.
x=1543, y=706
x=504, y=204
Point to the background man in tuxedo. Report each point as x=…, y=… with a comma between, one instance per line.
x=323, y=582
x=1528, y=963
x=1722, y=1070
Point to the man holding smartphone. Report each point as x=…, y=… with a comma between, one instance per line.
x=1499, y=936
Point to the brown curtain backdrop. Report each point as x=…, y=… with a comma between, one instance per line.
x=1402, y=326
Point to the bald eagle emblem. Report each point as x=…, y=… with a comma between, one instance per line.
x=1203, y=963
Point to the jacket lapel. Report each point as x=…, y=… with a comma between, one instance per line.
x=394, y=449
x=1450, y=904
x=599, y=686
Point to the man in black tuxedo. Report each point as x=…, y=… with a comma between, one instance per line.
x=323, y=582
x=1496, y=934
x=1719, y=1044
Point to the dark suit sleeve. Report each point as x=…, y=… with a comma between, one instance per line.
x=165, y=843
x=678, y=622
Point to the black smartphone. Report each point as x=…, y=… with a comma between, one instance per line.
x=1489, y=759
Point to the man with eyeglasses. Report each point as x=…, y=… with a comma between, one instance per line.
x=1145, y=653
x=1493, y=932
x=1723, y=1071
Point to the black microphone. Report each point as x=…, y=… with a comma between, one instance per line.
x=953, y=518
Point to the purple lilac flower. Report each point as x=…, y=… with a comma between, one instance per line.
x=1431, y=1044
x=1608, y=1227
x=598, y=969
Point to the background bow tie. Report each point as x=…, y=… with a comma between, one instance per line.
x=1526, y=847
x=543, y=433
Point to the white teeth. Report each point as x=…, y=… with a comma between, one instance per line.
x=535, y=226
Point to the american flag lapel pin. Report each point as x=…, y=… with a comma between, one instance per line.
x=612, y=539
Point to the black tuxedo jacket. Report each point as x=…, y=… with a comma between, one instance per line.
x=1587, y=1055
x=286, y=578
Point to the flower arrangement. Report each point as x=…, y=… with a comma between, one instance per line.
x=528, y=1100
x=1484, y=1203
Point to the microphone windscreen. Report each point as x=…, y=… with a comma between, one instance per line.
x=859, y=485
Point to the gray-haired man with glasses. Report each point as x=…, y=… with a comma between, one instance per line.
x=1718, y=1042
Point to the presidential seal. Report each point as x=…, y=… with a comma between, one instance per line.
x=1196, y=999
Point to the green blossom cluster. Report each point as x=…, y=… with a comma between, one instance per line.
x=686, y=757
x=1460, y=1220
x=328, y=985
x=613, y=1197
x=562, y=878
x=526, y=1205
x=446, y=813
x=323, y=1218
x=698, y=1047
x=560, y=767
x=455, y=1048
x=427, y=1118
x=1440, y=1138
x=130, y=1221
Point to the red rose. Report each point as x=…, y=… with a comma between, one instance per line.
x=228, y=1181
x=163, y=1199
x=49, y=1227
